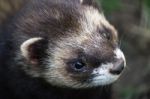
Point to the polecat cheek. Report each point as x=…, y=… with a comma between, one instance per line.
x=102, y=75
x=102, y=69
x=107, y=73
x=104, y=79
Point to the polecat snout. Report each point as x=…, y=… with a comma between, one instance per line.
x=68, y=43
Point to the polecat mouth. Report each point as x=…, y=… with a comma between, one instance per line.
x=109, y=72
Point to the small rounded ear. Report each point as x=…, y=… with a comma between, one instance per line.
x=34, y=49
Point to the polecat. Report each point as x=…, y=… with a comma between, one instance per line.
x=60, y=49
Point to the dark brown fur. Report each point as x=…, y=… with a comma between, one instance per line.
x=56, y=22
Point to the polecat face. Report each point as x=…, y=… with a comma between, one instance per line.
x=80, y=49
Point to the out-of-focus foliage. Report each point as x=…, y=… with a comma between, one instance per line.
x=132, y=20
x=110, y=5
x=147, y=2
x=8, y=8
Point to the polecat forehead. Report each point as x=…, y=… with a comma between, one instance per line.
x=55, y=19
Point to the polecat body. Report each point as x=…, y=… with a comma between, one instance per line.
x=60, y=49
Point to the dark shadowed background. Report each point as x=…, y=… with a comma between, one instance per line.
x=132, y=20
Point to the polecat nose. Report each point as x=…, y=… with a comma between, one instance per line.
x=118, y=67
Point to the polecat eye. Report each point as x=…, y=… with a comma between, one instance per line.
x=78, y=66
x=106, y=35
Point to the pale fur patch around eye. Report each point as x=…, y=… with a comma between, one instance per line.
x=95, y=17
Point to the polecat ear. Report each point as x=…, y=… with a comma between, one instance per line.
x=34, y=49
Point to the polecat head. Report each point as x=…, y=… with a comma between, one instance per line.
x=69, y=44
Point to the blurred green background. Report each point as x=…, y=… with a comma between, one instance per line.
x=132, y=20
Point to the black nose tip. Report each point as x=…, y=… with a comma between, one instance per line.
x=118, y=67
